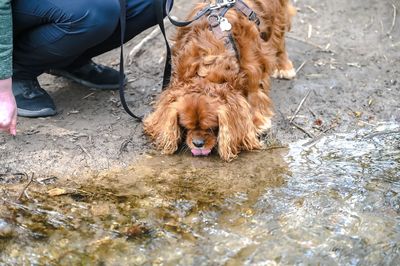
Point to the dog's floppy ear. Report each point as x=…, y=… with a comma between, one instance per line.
x=162, y=125
x=236, y=129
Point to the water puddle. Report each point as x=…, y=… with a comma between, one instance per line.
x=332, y=201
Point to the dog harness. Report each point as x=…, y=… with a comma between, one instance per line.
x=219, y=24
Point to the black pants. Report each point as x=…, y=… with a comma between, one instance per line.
x=61, y=34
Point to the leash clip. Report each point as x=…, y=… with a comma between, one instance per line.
x=214, y=20
x=222, y=3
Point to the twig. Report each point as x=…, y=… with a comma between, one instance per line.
x=57, y=217
x=124, y=145
x=311, y=44
x=301, y=66
x=12, y=174
x=373, y=135
x=312, y=112
x=299, y=107
x=312, y=9
x=317, y=138
x=139, y=46
x=395, y=45
x=26, y=187
x=45, y=180
x=309, y=31
x=275, y=147
x=87, y=96
x=302, y=129
x=85, y=151
x=394, y=19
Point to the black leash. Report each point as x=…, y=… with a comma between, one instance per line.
x=176, y=23
x=159, y=9
x=121, y=63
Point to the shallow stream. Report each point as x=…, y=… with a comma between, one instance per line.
x=332, y=201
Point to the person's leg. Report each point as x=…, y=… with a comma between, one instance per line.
x=140, y=16
x=52, y=34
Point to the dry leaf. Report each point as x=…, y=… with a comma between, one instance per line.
x=56, y=192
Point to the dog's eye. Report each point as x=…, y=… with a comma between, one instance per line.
x=182, y=127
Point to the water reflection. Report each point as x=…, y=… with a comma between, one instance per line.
x=345, y=183
x=333, y=201
x=156, y=210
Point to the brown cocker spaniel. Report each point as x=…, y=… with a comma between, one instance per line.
x=218, y=95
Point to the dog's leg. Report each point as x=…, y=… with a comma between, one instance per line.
x=262, y=113
x=284, y=67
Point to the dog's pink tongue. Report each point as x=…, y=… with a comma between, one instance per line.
x=200, y=152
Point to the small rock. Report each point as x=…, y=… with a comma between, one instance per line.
x=6, y=229
x=100, y=210
x=137, y=230
x=57, y=192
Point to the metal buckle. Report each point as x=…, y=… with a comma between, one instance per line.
x=253, y=17
x=214, y=20
x=222, y=3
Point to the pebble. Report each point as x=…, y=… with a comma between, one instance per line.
x=6, y=229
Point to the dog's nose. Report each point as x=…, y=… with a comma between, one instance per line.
x=198, y=143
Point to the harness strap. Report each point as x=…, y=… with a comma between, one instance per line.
x=214, y=20
x=238, y=4
x=247, y=11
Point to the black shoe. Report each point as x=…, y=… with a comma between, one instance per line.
x=32, y=100
x=91, y=75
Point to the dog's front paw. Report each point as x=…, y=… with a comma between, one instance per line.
x=262, y=123
x=284, y=73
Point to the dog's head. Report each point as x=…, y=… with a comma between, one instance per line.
x=215, y=117
x=198, y=117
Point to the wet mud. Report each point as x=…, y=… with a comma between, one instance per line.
x=331, y=201
x=86, y=188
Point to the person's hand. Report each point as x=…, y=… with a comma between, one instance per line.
x=8, y=108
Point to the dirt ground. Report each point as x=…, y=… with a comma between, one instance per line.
x=347, y=53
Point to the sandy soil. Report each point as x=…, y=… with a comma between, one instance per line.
x=350, y=57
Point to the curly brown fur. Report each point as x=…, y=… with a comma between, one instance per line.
x=216, y=99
